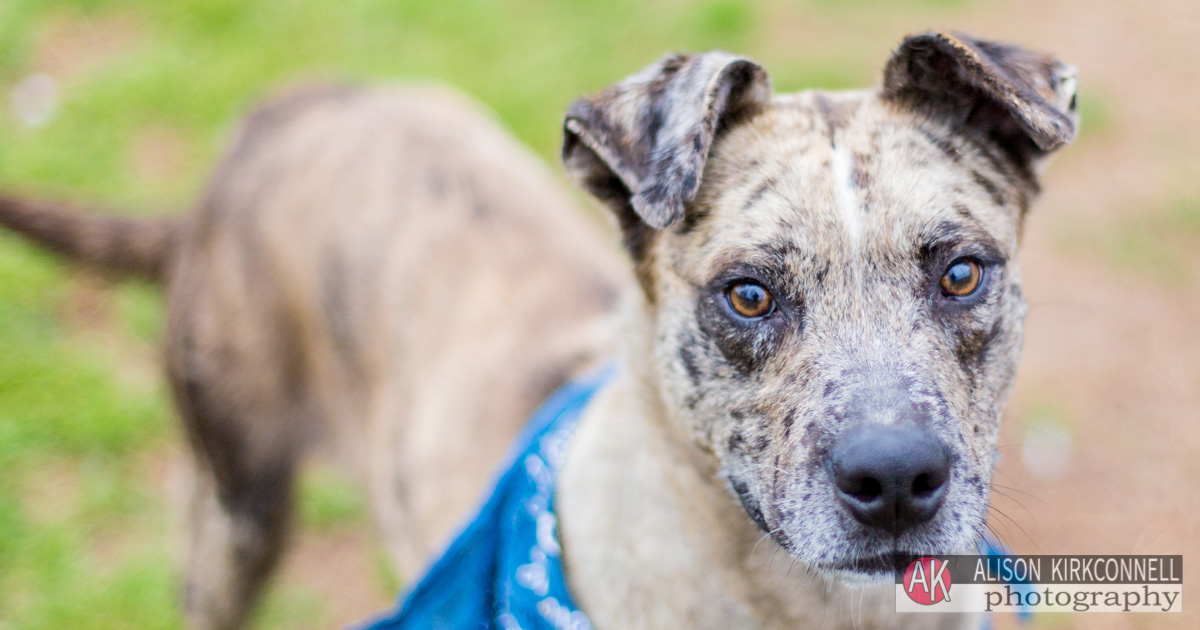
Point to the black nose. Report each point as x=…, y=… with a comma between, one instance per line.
x=892, y=477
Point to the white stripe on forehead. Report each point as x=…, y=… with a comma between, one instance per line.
x=847, y=198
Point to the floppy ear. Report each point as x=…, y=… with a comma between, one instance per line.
x=1022, y=100
x=640, y=146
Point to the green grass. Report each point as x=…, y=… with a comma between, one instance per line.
x=1160, y=245
x=191, y=66
x=1095, y=115
x=85, y=539
x=329, y=500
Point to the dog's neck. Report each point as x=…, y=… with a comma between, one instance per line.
x=652, y=537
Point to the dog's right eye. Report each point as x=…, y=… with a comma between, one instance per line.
x=750, y=300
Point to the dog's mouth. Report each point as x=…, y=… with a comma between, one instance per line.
x=871, y=569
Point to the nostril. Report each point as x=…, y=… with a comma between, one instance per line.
x=863, y=488
x=926, y=484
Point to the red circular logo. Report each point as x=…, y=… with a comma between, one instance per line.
x=927, y=581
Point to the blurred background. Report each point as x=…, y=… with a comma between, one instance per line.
x=126, y=103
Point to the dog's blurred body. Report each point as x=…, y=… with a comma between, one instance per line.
x=381, y=271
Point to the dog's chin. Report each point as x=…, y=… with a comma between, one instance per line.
x=877, y=565
x=877, y=570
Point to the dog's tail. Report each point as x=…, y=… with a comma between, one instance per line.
x=108, y=244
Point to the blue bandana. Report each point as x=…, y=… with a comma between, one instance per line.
x=503, y=571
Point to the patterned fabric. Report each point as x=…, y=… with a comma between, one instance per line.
x=503, y=571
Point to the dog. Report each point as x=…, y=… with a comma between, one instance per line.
x=814, y=340
x=379, y=275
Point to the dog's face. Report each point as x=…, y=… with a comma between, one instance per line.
x=831, y=279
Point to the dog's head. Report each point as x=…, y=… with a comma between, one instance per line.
x=830, y=279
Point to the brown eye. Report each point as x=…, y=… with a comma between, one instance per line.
x=751, y=300
x=961, y=278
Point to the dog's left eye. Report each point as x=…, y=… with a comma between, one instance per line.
x=750, y=300
x=962, y=278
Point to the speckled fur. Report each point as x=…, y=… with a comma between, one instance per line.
x=708, y=458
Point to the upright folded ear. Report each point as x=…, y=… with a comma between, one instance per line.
x=1021, y=100
x=640, y=146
